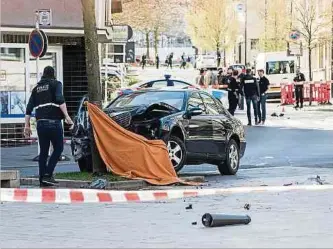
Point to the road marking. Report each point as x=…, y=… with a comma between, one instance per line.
x=98, y=196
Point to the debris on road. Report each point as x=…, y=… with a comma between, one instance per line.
x=247, y=206
x=194, y=223
x=217, y=220
x=189, y=207
x=288, y=184
x=98, y=184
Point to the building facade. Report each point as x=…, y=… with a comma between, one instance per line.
x=66, y=53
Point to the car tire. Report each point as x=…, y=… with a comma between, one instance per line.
x=85, y=164
x=177, y=152
x=231, y=164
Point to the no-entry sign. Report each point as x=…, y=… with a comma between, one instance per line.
x=37, y=43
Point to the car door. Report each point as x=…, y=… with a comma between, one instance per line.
x=219, y=125
x=199, y=128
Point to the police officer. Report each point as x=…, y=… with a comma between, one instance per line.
x=252, y=93
x=263, y=85
x=48, y=101
x=233, y=89
x=299, y=88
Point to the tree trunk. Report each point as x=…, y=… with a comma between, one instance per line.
x=92, y=67
x=224, y=57
x=156, y=41
x=147, y=44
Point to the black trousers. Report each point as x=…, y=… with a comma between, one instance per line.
x=299, y=95
x=233, y=102
x=49, y=131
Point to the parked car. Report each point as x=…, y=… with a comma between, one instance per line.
x=160, y=83
x=237, y=67
x=194, y=125
x=206, y=62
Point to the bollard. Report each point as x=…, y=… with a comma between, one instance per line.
x=218, y=220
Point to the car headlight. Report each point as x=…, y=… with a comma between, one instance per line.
x=166, y=127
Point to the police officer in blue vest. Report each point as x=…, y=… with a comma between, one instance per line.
x=48, y=101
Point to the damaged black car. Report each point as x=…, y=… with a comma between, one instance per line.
x=194, y=125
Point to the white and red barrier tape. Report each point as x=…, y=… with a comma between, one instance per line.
x=100, y=196
x=29, y=140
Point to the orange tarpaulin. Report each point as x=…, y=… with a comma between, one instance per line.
x=130, y=155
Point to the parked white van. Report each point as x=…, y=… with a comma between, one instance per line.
x=279, y=68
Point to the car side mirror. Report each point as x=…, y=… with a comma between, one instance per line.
x=196, y=111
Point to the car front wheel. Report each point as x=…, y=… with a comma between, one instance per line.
x=231, y=164
x=177, y=152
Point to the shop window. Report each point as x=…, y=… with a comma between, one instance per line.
x=12, y=82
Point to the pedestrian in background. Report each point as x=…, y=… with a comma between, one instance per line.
x=48, y=101
x=200, y=80
x=263, y=86
x=299, y=80
x=233, y=89
x=252, y=93
x=183, y=61
x=157, y=61
x=143, y=61
x=170, y=58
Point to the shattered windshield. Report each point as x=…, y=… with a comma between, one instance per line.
x=174, y=99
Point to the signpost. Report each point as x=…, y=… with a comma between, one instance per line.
x=295, y=45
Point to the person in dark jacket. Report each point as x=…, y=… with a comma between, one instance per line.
x=299, y=79
x=170, y=58
x=48, y=101
x=143, y=61
x=263, y=86
x=183, y=61
x=233, y=89
x=252, y=93
x=157, y=60
x=241, y=94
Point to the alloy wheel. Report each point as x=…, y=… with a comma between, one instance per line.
x=175, y=153
x=233, y=156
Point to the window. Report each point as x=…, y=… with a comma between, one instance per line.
x=196, y=101
x=280, y=67
x=254, y=44
x=212, y=108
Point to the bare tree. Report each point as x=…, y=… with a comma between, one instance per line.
x=312, y=26
x=92, y=68
x=211, y=24
x=276, y=18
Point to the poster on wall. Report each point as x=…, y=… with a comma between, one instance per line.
x=4, y=104
x=17, y=103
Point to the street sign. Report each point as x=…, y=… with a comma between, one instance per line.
x=294, y=49
x=121, y=33
x=240, y=7
x=294, y=35
x=44, y=17
x=38, y=43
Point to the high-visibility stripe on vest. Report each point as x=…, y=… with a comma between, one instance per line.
x=47, y=104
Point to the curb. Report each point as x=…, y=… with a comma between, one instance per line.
x=119, y=185
x=113, y=196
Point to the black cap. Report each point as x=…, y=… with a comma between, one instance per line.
x=49, y=72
